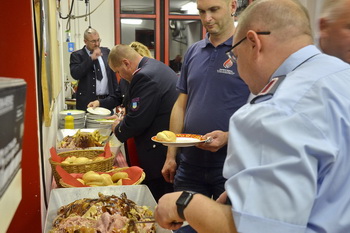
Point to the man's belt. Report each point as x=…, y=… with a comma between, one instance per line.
x=99, y=97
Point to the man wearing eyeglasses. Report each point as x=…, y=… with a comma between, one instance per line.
x=96, y=80
x=287, y=166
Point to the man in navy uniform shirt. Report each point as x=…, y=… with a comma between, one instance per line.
x=152, y=94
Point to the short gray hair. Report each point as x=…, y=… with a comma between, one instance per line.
x=276, y=16
x=120, y=52
x=332, y=9
x=89, y=31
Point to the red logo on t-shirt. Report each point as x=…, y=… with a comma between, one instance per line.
x=228, y=63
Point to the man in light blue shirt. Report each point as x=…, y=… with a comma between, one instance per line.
x=289, y=154
x=288, y=162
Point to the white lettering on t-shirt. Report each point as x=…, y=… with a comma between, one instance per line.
x=225, y=71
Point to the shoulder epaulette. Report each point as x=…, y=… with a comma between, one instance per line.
x=136, y=71
x=268, y=91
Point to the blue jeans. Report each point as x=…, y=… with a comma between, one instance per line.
x=207, y=181
x=185, y=229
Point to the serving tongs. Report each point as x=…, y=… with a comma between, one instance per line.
x=109, y=138
x=146, y=221
x=119, y=114
x=150, y=221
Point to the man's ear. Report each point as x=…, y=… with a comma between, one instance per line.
x=323, y=27
x=126, y=62
x=254, y=45
x=253, y=40
x=233, y=6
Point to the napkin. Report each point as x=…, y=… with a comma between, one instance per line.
x=54, y=155
x=135, y=173
x=107, y=149
x=67, y=178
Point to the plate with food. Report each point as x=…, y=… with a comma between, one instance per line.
x=168, y=138
x=105, y=121
x=99, y=111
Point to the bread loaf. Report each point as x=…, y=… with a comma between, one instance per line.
x=166, y=136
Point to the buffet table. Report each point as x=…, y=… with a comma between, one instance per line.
x=72, y=186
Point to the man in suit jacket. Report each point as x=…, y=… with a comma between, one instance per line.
x=152, y=94
x=96, y=80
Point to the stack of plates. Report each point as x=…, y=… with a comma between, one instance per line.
x=79, y=118
x=95, y=114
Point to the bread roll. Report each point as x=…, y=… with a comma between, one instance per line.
x=119, y=175
x=99, y=158
x=92, y=177
x=107, y=179
x=81, y=181
x=81, y=160
x=166, y=136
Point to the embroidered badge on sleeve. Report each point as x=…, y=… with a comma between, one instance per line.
x=135, y=104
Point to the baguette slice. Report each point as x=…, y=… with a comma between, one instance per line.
x=166, y=136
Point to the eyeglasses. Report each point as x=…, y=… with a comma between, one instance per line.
x=95, y=41
x=230, y=53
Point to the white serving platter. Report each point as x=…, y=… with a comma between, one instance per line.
x=140, y=194
x=114, y=143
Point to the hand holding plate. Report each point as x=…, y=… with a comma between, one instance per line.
x=94, y=104
x=214, y=141
x=182, y=140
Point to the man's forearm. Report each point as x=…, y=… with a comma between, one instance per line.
x=207, y=215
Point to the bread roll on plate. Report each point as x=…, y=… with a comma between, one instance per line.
x=166, y=136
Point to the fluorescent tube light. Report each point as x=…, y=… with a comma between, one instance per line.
x=190, y=7
x=131, y=21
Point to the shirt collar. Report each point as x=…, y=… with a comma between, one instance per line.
x=88, y=51
x=142, y=62
x=296, y=59
x=206, y=41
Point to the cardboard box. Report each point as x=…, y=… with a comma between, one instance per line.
x=12, y=109
x=140, y=194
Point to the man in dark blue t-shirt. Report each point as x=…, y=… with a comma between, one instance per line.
x=210, y=92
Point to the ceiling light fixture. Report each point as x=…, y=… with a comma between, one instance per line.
x=131, y=21
x=190, y=8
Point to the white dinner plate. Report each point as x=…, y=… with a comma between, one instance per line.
x=182, y=140
x=105, y=121
x=74, y=112
x=99, y=111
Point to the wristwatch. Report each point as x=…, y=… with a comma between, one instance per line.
x=183, y=201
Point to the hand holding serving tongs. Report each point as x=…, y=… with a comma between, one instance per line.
x=118, y=117
x=120, y=112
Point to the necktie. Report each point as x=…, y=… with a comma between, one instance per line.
x=97, y=67
x=98, y=72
